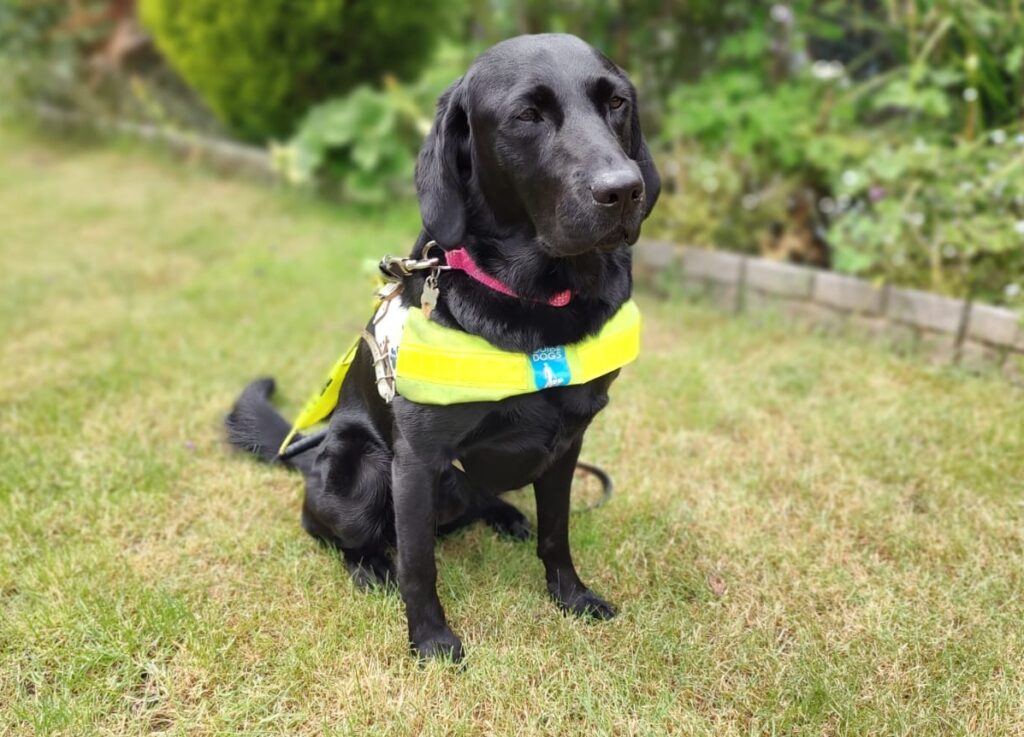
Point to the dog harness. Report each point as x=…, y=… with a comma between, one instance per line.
x=428, y=363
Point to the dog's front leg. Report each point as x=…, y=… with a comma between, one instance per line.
x=415, y=494
x=552, y=491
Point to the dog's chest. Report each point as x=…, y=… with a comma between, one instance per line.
x=513, y=444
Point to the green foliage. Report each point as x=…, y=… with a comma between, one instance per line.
x=364, y=145
x=902, y=120
x=361, y=143
x=734, y=111
x=44, y=57
x=945, y=217
x=765, y=112
x=261, y=66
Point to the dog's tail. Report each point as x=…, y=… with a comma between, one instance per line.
x=253, y=425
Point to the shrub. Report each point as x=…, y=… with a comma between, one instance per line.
x=896, y=129
x=949, y=218
x=363, y=145
x=260, y=66
x=46, y=49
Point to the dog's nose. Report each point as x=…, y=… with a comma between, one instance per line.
x=617, y=187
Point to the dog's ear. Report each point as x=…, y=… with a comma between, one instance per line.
x=642, y=156
x=441, y=170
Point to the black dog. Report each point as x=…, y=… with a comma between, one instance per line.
x=536, y=165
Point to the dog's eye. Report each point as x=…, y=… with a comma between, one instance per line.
x=530, y=115
x=616, y=102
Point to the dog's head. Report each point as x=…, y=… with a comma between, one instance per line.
x=541, y=138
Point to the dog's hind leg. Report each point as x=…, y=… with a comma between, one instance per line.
x=460, y=505
x=499, y=515
x=506, y=520
x=370, y=568
x=347, y=502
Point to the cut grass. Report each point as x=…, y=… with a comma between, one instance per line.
x=810, y=536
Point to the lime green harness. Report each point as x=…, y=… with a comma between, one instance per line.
x=432, y=364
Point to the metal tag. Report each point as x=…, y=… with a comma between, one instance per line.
x=428, y=299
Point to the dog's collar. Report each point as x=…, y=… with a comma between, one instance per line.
x=459, y=259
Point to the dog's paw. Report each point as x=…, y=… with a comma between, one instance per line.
x=443, y=645
x=508, y=522
x=372, y=572
x=583, y=603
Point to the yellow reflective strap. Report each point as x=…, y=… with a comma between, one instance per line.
x=616, y=345
x=438, y=365
x=320, y=405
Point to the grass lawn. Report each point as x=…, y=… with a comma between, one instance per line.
x=810, y=536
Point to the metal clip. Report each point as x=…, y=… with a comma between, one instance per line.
x=396, y=268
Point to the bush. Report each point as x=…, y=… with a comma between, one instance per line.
x=261, y=66
x=46, y=49
x=363, y=145
x=91, y=56
x=889, y=135
x=949, y=218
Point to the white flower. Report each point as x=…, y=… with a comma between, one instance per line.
x=1018, y=227
x=1012, y=290
x=782, y=13
x=850, y=178
x=998, y=136
x=970, y=94
x=827, y=70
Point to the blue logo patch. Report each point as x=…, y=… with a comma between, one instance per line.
x=550, y=367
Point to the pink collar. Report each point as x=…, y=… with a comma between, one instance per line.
x=460, y=260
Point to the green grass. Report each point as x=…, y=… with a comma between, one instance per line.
x=810, y=536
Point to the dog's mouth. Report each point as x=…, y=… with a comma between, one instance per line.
x=619, y=236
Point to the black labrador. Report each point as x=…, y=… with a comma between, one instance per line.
x=536, y=165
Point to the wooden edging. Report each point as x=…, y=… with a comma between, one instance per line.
x=950, y=330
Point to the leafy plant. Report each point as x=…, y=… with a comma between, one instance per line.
x=363, y=145
x=360, y=142
x=949, y=218
x=261, y=66
x=46, y=49
x=905, y=134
